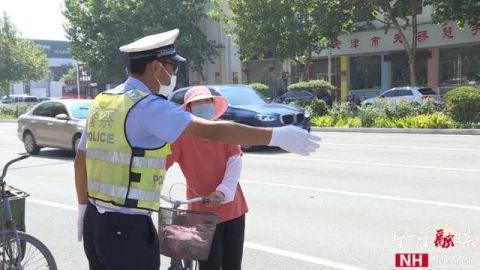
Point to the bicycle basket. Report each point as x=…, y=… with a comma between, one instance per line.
x=17, y=205
x=186, y=234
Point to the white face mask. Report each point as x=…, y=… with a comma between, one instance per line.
x=166, y=89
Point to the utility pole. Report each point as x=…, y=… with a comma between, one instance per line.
x=78, y=82
x=49, y=79
x=329, y=65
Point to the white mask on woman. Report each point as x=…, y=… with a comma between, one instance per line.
x=204, y=111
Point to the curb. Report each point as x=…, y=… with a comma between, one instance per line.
x=373, y=130
x=401, y=130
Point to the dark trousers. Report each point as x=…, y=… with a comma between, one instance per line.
x=114, y=241
x=227, y=246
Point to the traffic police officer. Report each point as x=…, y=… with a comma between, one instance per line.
x=120, y=163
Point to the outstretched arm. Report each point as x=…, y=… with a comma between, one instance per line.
x=290, y=138
x=228, y=132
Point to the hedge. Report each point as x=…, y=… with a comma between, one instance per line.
x=259, y=87
x=436, y=120
x=390, y=115
x=311, y=85
x=463, y=103
x=315, y=107
x=13, y=111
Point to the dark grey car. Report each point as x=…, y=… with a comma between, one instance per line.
x=249, y=107
x=57, y=124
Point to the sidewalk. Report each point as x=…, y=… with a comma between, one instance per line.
x=400, y=130
x=377, y=130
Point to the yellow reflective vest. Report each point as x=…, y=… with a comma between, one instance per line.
x=117, y=172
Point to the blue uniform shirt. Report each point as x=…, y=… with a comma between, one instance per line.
x=152, y=122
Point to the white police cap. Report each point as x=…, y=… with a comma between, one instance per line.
x=154, y=46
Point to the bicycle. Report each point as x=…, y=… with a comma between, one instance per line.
x=19, y=250
x=185, y=235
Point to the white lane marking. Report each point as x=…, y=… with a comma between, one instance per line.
x=301, y=257
x=272, y=250
x=368, y=195
x=52, y=204
x=367, y=163
x=404, y=147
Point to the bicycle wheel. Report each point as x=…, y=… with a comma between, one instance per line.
x=35, y=255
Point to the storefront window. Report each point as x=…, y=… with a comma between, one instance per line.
x=320, y=70
x=401, y=72
x=365, y=72
x=460, y=66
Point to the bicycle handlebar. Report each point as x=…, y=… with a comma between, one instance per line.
x=4, y=172
x=177, y=203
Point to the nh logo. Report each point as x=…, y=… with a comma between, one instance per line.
x=411, y=260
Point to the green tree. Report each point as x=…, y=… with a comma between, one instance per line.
x=70, y=73
x=98, y=28
x=292, y=29
x=461, y=11
x=20, y=59
x=400, y=14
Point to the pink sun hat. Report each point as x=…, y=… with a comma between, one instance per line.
x=196, y=93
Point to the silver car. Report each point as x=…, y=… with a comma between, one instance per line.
x=409, y=94
x=56, y=123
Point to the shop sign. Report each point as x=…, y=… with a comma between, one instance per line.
x=428, y=36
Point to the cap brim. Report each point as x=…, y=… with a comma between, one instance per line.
x=176, y=58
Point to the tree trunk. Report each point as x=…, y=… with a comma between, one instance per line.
x=412, y=68
x=308, y=71
x=413, y=53
x=308, y=65
x=410, y=47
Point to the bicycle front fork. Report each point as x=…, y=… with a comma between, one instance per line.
x=176, y=264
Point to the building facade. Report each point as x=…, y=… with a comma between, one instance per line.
x=227, y=67
x=374, y=61
x=59, y=59
x=368, y=61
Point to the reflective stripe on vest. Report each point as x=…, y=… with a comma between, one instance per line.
x=124, y=158
x=121, y=192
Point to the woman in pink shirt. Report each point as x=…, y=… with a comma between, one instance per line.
x=212, y=170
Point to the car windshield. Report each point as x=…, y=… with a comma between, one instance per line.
x=79, y=110
x=426, y=91
x=242, y=96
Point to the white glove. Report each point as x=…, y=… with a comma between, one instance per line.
x=81, y=213
x=295, y=140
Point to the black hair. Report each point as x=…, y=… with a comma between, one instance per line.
x=139, y=65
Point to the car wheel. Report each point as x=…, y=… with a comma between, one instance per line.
x=75, y=142
x=30, y=144
x=246, y=147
